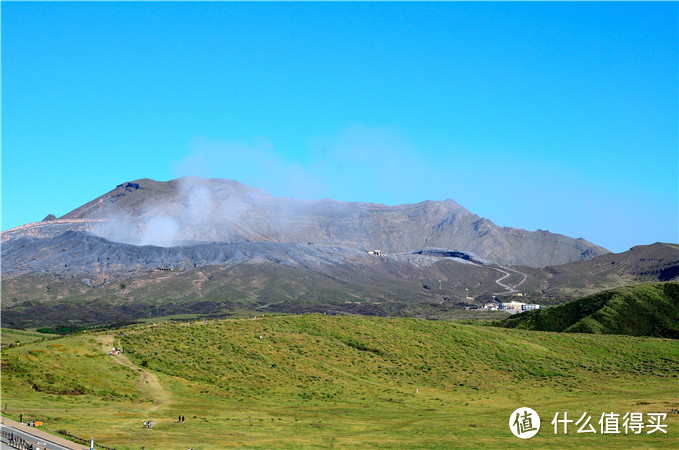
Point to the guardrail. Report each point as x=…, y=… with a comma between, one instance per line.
x=15, y=441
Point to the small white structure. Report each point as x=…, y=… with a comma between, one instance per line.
x=517, y=306
x=527, y=307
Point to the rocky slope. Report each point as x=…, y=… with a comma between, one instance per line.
x=189, y=211
x=81, y=278
x=642, y=263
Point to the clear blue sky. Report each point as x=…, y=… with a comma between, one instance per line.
x=559, y=116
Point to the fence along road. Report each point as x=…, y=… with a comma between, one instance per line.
x=40, y=439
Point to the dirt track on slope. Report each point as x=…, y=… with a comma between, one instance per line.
x=148, y=383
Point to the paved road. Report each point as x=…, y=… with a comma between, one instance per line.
x=42, y=441
x=510, y=289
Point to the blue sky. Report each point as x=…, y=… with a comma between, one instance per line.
x=558, y=116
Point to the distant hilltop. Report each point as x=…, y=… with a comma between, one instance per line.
x=192, y=210
x=650, y=309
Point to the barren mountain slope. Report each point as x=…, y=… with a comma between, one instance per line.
x=642, y=263
x=193, y=210
x=84, y=278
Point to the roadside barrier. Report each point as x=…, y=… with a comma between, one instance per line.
x=79, y=439
x=14, y=441
x=10, y=439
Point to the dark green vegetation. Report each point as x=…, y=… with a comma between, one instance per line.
x=61, y=329
x=650, y=309
x=316, y=380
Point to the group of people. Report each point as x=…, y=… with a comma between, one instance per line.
x=149, y=424
x=115, y=352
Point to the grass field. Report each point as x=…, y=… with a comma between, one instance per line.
x=338, y=381
x=13, y=338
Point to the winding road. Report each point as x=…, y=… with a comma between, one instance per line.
x=510, y=289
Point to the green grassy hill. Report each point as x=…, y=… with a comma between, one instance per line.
x=347, y=381
x=10, y=337
x=650, y=309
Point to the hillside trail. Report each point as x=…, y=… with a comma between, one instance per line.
x=148, y=383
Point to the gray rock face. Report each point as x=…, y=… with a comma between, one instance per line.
x=76, y=253
x=191, y=211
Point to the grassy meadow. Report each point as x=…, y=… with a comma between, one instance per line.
x=338, y=381
x=10, y=337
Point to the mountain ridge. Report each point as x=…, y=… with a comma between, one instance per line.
x=196, y=210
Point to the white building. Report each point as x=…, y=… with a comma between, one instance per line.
x=512, y=305
x=490, y=306
x=527, y=307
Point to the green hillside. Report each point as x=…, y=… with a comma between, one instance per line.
x=10, y=337
x=650, y=309
x=346, y=381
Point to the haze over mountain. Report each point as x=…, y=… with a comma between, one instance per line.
x=193, y=210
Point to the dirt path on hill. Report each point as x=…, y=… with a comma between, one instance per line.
x=198, y=282
x=148, y=383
